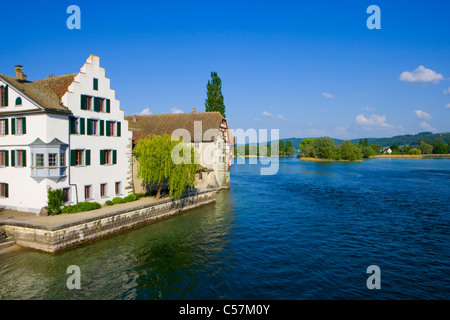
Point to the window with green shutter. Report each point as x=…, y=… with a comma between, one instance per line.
x=96, y=104
x=24, y=125
x=95, y=84
x=102, y=127
x=114, y=157
x=118, y=129
x=4, y=192
x=108, y=106
x=83, y=102
x=13, y=125
x=102, y=157
x=18, y=101
x=108, y=128
x=89, y=127
x=6, y=96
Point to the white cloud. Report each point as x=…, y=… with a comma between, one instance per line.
x=422, y=115
x=176, y=110
x=426, y=126
x=328, y=95
x=374, y=121
x=447, y=91
x=267, y=114
x=421, y=74
x=447, y=106
x=146, y=111
x=281, y=117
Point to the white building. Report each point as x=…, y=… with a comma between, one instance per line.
x=207, y=131
x=64, y=132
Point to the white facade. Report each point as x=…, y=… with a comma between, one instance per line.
x=89, y=160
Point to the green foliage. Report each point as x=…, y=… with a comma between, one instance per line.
x=130, y=198
x=368, y=151
x=81, y=207
x=349, y=151
x=324, y=148
x=55, y=199
x=214, y=97
x=425, y=147
x=160, y=159
x=117, y=200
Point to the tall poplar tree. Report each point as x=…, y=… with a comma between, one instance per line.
x=214, y=97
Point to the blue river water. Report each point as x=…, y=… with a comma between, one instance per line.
x=308, y=232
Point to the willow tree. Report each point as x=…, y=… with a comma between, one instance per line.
x=214, y=97
x=160, y=159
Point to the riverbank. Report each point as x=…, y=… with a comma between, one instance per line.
x=410, y=156
x=57, y=233
x=325, y=160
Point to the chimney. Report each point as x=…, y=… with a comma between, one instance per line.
x=193, y=110
x=19, y=74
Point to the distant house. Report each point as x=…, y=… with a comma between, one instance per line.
x=208, y=132
x=387, y=151
x=64, y=132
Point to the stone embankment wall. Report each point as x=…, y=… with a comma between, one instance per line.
x=57, y=238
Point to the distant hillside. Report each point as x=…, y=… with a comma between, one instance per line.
x=407, y=139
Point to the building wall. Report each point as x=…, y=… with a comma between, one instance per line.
x=24, y=192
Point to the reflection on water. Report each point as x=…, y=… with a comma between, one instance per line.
x=308, y=232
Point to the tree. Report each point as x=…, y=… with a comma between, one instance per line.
x=439, y=147
x=348, y=151
x=289, y=149
x=426, y=148
x=55, y=199
x=324, y=148
x=160, y=159
x=368, y=151
x=214, y=97
x=306, y=148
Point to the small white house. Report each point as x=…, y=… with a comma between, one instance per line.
x=64, y=132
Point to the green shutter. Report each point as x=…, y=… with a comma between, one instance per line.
x=72, y=125
x=89, y=127
x=114, y=156
x=82, y=126
x=6, y=126
x=24, y=125
x=88, y=157
x=102, y=127
x=6, y=190
x=118, y=129
x=96, y=104
x=13, y=158
x=13, y=125
x=24, y=158
x=6, y=95
x=83, y=102
x=6, y=158
x=95, y=84
x=18, y=101
x=102, y=157
x=73, y=157
x=108, y=129
x=108, y=105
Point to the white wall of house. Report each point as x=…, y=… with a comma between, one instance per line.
x=96, y=174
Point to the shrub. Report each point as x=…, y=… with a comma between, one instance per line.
x=81, y=207
x=109, y=203
x=130, y=198
x=118, y=200
x=55, y=199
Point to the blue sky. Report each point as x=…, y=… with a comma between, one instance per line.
x=307, y=68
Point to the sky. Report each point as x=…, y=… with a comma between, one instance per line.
x=307, y=68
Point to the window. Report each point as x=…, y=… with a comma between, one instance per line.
x=95, y=84
x=66, y=192
x=94, y=127
x=101, y=105
x=79, y=158
x=74, y=125
x=52, y=159
x=88, y=103
x=3, y=158
x=39, y=160
x=3, y=127
x=4, y=190
x=87, y=192
x=118, y=188
x=103, y=190
x=20, y=158
x=18, y=101
x=112, y=128
x=108, y=157
x=62, y=159
x=18, y=125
